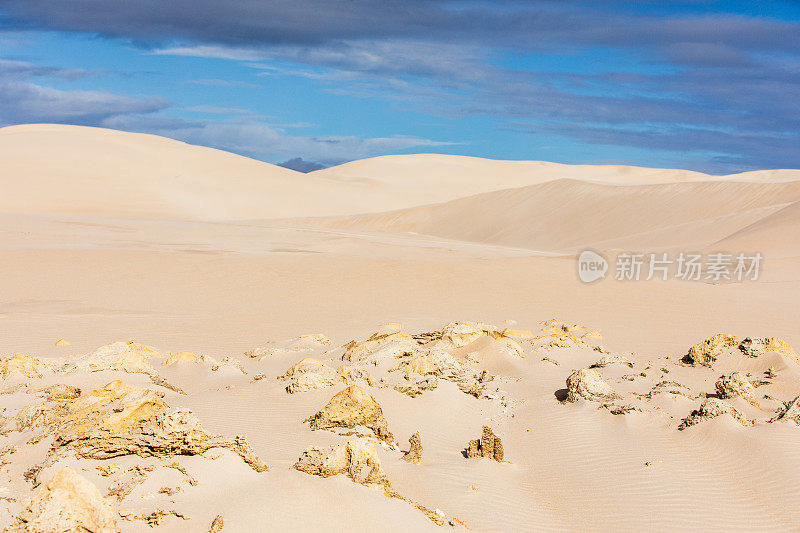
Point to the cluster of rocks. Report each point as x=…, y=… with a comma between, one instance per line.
x=706, y=352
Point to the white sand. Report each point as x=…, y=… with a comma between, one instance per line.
x=108, y=236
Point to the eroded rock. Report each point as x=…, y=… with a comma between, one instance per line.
x=309, y=374
x=121, y=419
x=24, y=365
x=736, y=384
x=414, y=454
x=489, y=445
x=588, y=384
x=350, y=408
x=67, y=503
x=712, y=408
x=789, y=413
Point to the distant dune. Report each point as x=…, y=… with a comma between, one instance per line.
x=568, y=215
x=72, y=170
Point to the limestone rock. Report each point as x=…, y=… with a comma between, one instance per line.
x=181, y=357
x=736, y=384
x=121, y=419
x=519, y=334
x=489, y=446
x=61, y=392
x=613, y=359
x=228, y=363
x=418, y=387
x=217, y=524
x=357, y=459
x=757, y=347
x=380, y=347
x=588, y=384
x=304, y=343
x=130, y=357
x=789, y=413
x=414, y=454
x=63, y=342
x=309, y=374
x=352, y=407
x=706, y=352
x=712, y=408
x=23, y=365
x=68, y=503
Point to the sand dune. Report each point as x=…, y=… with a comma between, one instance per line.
x=71, y=170
x=568, y=215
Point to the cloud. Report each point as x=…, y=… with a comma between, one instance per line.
x=22, y=101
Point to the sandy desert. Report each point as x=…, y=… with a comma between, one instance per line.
x=192, y=340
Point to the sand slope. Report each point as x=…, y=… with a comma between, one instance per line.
x=567, y=215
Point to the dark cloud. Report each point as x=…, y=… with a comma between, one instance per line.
x=301, y=165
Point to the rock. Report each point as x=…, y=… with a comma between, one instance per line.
x=757, y=347
x=309, y=374
x=357, y=459
x=613, y=359
x=414, y=454
x=789, y=413
x=588, y=384
x=63, y=342
x=21, y=364
x=380, y=347
x=60, y=392
x=459, y=334
x=67, y=503
x=181, y=357
x=130, y=357
x=352, y=407
x=230, y=363
x=121, y=419
x=712, y=408
x=303, y=343
x=418, y=387
x=217, y=524
x=518, y=334
x=489, y=446
x=706, y=352
x=736, y=384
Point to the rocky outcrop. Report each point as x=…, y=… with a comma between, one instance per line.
x=736, y=384
x=309, y=374
x=24, y=365
x=130, y=357
x=121, y=419
x=418, y=387
x=380, y=347
x=712, y=408
x=758, y=347
x=707, y=352
x=358, y=460
x=414, y=454
x=613, y=359
x=350, y=408
x=62, y=392
x=789, y=413
x=304, y=343
x=489, y=445
x=67, y=503
x=588, y=384
x=181, y=357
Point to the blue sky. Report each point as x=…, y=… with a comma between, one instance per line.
x=704, y=85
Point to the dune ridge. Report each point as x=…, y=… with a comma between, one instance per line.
x=50, y=169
